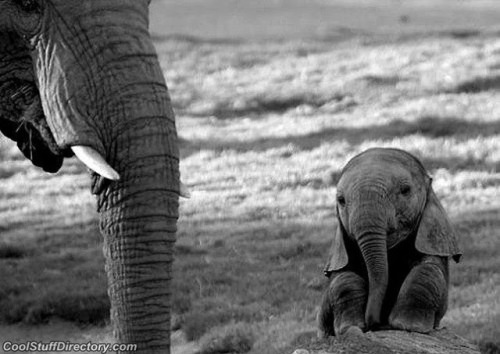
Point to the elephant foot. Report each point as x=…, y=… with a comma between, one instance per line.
x=351, y=331
x=343, y=305
x=347, y=331
x=349, y=327
x=413, y=320
x=341, y=329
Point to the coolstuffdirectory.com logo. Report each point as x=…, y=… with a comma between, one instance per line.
x=58, y=346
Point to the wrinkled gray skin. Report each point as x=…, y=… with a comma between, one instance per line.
x=389, y=260
x=85, y=72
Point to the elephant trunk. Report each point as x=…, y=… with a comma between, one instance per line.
x=138, y=213
x=138, y=218
x=369, y=227
x=374, y=251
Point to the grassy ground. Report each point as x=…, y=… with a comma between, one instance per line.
x=265, y=130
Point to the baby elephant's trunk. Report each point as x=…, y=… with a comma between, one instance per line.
x=374, y=250
x=369, y=226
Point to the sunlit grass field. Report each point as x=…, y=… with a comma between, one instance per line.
x=264, y=131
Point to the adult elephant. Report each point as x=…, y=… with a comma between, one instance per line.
x=82, y=77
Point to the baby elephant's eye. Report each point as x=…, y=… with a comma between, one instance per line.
x=28, y=5
x=405, y=189
x=341, y=200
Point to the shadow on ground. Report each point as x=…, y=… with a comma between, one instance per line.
x=478, y=84
x=430, y=126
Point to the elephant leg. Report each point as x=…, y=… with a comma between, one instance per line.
x=343, y=305
x=422, y=300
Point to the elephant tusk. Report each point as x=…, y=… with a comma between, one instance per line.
x=93, y=160
x=184, y=191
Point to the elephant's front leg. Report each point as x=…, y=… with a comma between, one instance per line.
x=343, y=305
x=423, y=297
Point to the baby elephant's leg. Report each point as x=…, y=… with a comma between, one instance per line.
x=423, y=297
x=343, y=304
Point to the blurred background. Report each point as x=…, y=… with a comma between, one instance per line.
x=272, y=98
x=306, y=19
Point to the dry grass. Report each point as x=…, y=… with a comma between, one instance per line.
x=263, y=144
x=265, y=130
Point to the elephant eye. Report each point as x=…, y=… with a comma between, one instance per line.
x=341, y=200
x=28, y=5
x=405, y=189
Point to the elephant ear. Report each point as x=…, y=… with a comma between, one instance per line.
x=337, y=258
x=21, y=114
x=435, y=235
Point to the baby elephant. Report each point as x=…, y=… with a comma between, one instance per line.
x=389, y=260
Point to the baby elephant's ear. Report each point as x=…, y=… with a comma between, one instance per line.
x=337, y=258
x=435, y=234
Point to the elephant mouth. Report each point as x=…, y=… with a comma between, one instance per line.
x=22, y=120
x=398, y=235
x=393, y=238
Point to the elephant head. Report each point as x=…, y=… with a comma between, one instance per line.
x=82, y=77
x=384, y=197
